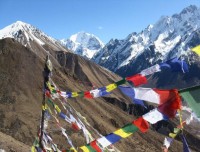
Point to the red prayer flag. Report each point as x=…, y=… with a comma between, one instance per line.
x=47, y=93
x=75, y=126
x=165, y=95
x=170, y=107
x=94, y=145
x=87, y=95
x=58, y=91
x=142, y=124
x=137, y=79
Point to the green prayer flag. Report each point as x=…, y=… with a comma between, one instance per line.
x=81, y=94
x=123, y=81
x=192, y=97
x=90, y=148
x=130, y=128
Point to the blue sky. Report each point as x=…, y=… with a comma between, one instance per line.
x=104, y=18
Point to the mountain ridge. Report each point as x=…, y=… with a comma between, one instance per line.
x=169, y=37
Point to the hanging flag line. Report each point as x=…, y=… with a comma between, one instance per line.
x=166, y=109
x=141, y=124
x=76, y=124
x=141, y=80
x=174, y=64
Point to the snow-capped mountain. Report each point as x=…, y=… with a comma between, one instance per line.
x=30, y=37
x=84, y=44
x=170, y=36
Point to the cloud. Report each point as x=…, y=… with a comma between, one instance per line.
x=100, y=27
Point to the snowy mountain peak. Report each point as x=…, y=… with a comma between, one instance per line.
x=84, y=44
x=189, y=9
x=30, y=37
x=25, y=33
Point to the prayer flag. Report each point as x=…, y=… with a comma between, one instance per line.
x=196, y=49
x=137, y=79
x=153, y=116
x=141, y=124
x=111, y=87
x=113, y=138
x=123, y=81
x=175, y=65
x=170, y=107
x=104, y=141
x=94, y=145
x=150, y=70
x=129, y=91
x=87, y=95
x=192, y=97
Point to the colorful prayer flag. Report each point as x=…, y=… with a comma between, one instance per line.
x=111, y=87
x=129, y=91
x=137, y=79
x=192, y=97
x=170, y=107
x=153, y=116
x=120, y=82
x=142, y=124
x=175, y=65
x=196, y=49
x=150, y=70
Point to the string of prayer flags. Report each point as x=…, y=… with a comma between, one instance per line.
x=175, y=65
x=192, y=97
x=138, y=124
x=196, y=49
x=137, y=79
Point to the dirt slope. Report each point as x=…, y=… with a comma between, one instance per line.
x=21, y=96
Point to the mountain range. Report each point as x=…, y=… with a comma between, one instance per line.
x=171, y=36
x=23, y=49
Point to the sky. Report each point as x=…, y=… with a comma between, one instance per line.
x=106, y=19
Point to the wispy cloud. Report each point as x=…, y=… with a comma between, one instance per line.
x=100, y=27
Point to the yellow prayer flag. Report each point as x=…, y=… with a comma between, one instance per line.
x=44, y=107
x=172, y=135
x=74, y=94
x=73, y=149
x=57, y=109
x=121, y=133
x=85, y=149
x=196, y=49
x=111, y=87
x=33, y=149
